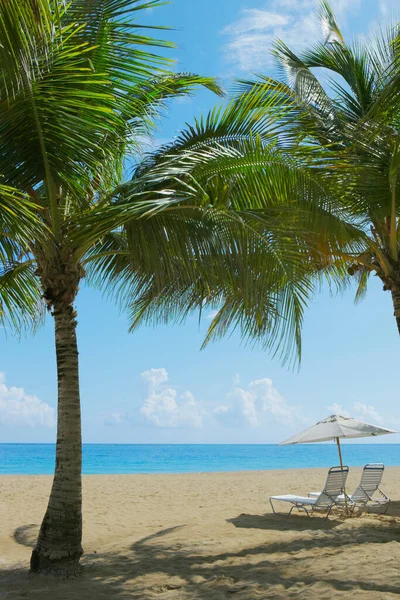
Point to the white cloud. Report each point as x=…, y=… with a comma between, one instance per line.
x=360, y=411
x=221, y=410
x=343, y=7
x=254, y=19
x=115, y=419
x=251, y=35
x=164, y=407
x=20, y=409
x=247, y=405
x=260, y=402
x=154, y=377
x=389, y=9
x=367, y=412
x=337, y=409
x=236, y=379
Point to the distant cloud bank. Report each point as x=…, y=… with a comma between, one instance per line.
x=259, y=403
x=17, y=408
x=165, y=407
x=364, y=412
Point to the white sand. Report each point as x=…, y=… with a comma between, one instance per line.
x=204, y=536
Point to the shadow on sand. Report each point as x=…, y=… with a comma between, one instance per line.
x=181, y=571
x=394, y=509
x=26, y=535
x=281, y=522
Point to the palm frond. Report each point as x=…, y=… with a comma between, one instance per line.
x=235, y=225
x=21, y=307
x=330, y=28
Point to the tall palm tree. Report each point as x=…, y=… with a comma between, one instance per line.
x=79, y=88
x=346, y=125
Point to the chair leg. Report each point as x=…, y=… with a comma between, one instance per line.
x=290, y=511
x=305, y=510
x=276, y=513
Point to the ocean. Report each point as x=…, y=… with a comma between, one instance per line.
x=38, y=459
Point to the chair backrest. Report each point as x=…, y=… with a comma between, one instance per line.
x=370, y=481
x=334, y=486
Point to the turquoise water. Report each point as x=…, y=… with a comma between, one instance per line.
x=38, y=459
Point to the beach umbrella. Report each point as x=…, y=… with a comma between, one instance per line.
x=335, y=428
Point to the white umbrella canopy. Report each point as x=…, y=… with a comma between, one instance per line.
x=336, y=427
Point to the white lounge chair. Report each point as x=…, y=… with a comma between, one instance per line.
x=369, y=485
x=325, y=500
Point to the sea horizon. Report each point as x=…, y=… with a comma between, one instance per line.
x=18, y=458
x=313, y=444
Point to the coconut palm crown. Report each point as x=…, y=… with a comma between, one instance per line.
x=346, y=125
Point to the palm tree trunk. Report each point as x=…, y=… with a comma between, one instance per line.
x=396, y=304
x=59, y=546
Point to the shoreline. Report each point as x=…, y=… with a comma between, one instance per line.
x=194, y=473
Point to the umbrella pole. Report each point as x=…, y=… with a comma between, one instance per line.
x=340, y=452
x=341, y=466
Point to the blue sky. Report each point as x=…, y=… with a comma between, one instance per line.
x=155, y=386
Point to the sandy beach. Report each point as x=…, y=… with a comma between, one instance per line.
x=204, y=536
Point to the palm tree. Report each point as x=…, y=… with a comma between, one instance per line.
x=347, y=127
x=272, y=220
x=79, y=87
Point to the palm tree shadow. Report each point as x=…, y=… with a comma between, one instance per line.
x=163, y=565
x=155, y=536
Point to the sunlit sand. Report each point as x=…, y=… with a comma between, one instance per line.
x=204, y=536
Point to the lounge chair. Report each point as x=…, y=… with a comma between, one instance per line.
x=363, y=496
x=325, y=500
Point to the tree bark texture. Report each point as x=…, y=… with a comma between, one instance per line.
x=396, y=304
x=59, y=545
